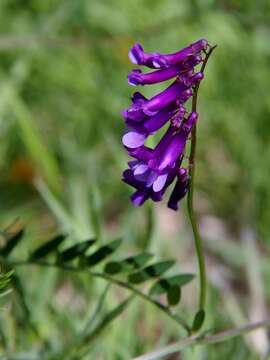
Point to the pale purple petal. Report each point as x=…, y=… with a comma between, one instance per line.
x=160, y=182
x=143, y=176
x=132, y=57
x=133, y=139
x=141, y=169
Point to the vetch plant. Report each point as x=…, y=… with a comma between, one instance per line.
x=153, y=171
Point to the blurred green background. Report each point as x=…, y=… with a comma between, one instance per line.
x=63, y=67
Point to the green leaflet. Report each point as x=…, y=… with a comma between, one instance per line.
x=127, y=265
x=150, y=271
x=103, y=252
x=164, y=284
x=198, y=320
x=75, y=251
x=12, y=242
x=48, y=247
x=174, y=295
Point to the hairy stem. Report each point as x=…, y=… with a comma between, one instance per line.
x=191, y=213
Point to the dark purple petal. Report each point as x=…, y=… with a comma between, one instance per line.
x=168, y=96
x=138, y=98
x=136, y=77
x=172, y=152
x=142, y=153
x=179, y=91
x=160, y=60
x=180, y=189
x=139, y=197
x=144, y=191
x=172, y=146
x=152, y=123
x=157, y=196
x=134, y=113
x=129, y=179
x=139, y=57
x=164, y=99
x=192, y=49
x=164, y=142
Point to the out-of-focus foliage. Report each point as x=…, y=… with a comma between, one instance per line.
x=63, y=67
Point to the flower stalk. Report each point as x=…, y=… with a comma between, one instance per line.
x=190, y=205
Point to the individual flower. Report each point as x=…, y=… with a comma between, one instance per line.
x=163, y=99
x=156, y=60
x=136, y=77
x=138, y=132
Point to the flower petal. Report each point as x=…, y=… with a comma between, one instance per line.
x=133, y=139
x=139, y=197
x=160, y=182
x=141, y=169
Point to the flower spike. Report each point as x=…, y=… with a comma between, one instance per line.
x=152, y=171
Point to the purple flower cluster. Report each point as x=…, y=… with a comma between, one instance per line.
x=153, y=170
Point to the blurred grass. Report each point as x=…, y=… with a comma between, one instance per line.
x=63, y=67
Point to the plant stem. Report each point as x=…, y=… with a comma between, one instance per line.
x=112, y=280
x=190, y=207
x=204, y=339
x=193, y=221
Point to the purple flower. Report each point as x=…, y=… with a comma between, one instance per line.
x=180, y=189
x=152, y=171
x=140, y=131
x=136, y=77
x=143, y=192
x=155, y=60
x=162, y=100
x=132, y=113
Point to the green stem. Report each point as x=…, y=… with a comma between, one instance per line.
x=204, y=340
x=193, y=221
x=190, y=207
